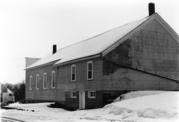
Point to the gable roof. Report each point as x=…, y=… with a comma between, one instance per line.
x=95, y=45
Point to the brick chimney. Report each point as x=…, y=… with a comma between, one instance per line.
x=54, y=49
x=151, y=8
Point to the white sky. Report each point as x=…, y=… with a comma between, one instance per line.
x=29, y=28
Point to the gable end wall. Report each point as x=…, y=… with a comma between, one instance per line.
x=152, y=50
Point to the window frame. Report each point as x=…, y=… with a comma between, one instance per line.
x=73, y=66
x=90, y=62
x=72, y=95
x=53, y=79
x=30, y=82
x=37, y=81
x=44, y=80
x=89, y=94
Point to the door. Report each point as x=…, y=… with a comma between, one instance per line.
x=81, y=99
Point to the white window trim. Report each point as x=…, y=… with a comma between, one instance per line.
x=89, y=95
x=89, y=62
x=37, y=81
x=71, y=94
x=53, y=79
x=74, y=65
x=45, y=74
x=30, y=82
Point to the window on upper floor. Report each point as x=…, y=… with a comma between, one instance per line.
x=37, y=81
x=30, y=82
x=73, y=72
x=45, y=80
x=73, y=94
x=89, y=70
x=91, y=94
x=53, y=79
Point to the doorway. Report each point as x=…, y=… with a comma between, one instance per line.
x=81, y=99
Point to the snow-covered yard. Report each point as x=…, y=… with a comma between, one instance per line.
x=143, y=106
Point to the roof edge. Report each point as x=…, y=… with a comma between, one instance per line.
x=49, y=63
x=167, y=27
x=79, y=59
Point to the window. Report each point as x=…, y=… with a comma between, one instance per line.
x=73, y=94
x=53, y=79
x=73, y=72
x=89, y=70
x=37, y=81
x=30, y=82
x=91, y=94
x=45, y=80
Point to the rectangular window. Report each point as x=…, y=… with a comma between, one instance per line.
x=73, y=72
x=91, y=94
x=73, y=94
x=37, y=81
x=53, y=79
x=89, y=70
x=45, y=80
x=30, y=82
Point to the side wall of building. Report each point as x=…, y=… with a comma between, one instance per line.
x=42, y=94
x=64, y=86
x=81, y=84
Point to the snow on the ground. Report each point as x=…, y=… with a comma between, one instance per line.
x=151, y=107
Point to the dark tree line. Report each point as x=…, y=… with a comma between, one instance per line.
x=17, y=89
x=19, y=92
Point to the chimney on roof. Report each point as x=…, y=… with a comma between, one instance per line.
x=151, y=7
x=54, y=49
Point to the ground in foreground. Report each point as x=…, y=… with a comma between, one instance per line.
x=143, y=106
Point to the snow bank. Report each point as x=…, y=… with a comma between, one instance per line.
x=163, y=105
x=152, y=106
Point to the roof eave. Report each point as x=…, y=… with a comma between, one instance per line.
x=45, y=64
x=78, y=59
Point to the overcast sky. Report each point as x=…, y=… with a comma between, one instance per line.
x=29, y=28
